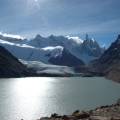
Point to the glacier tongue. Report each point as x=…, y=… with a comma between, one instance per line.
x=48, y=68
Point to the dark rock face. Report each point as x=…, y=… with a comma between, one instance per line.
x=92, y=48
x=10, y=66
x=109, y=62
x=66, y=59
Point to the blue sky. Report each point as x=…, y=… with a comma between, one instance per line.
x=99, y=18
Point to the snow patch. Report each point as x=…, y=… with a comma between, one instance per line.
x=93, y=39
x=51, y=48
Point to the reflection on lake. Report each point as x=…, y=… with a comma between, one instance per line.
x=31, y=98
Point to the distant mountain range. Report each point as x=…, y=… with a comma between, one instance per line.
x=85, y=50
x=11, y=67
x=58, y=50
x=36, y=57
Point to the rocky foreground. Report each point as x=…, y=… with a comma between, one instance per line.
x=109, y=112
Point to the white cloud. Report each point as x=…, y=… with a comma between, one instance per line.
x=76, y=39
x=11, y=35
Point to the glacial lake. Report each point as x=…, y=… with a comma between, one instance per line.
x=32, y=98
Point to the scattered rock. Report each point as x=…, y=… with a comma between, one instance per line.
x=108, y=112
x=118, y=102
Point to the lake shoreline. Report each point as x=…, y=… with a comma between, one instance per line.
x=108, y=112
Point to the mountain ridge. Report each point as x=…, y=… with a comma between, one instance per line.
x=10, y=65
x=81, y=49
x=109, y=62
x=36, y=48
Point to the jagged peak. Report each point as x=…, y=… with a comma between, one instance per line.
x=90, y=40
x=86, y=37
x=51, y=36
x=38, y=36
x=119, y=36
x=118, y=39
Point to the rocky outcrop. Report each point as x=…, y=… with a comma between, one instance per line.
x=91, y=47
x=108, y=112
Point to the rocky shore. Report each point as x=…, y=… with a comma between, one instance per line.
x=108, y=112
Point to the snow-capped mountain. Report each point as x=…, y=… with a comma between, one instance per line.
x=45, y=54
x=59, y=50
x=26, y=52
x=85, y=50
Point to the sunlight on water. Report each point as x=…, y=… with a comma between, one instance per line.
x=34, y=97
x=30, y=94
x=32, y=87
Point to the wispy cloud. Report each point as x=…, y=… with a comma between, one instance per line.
x=11, y=35
x=59, y=16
